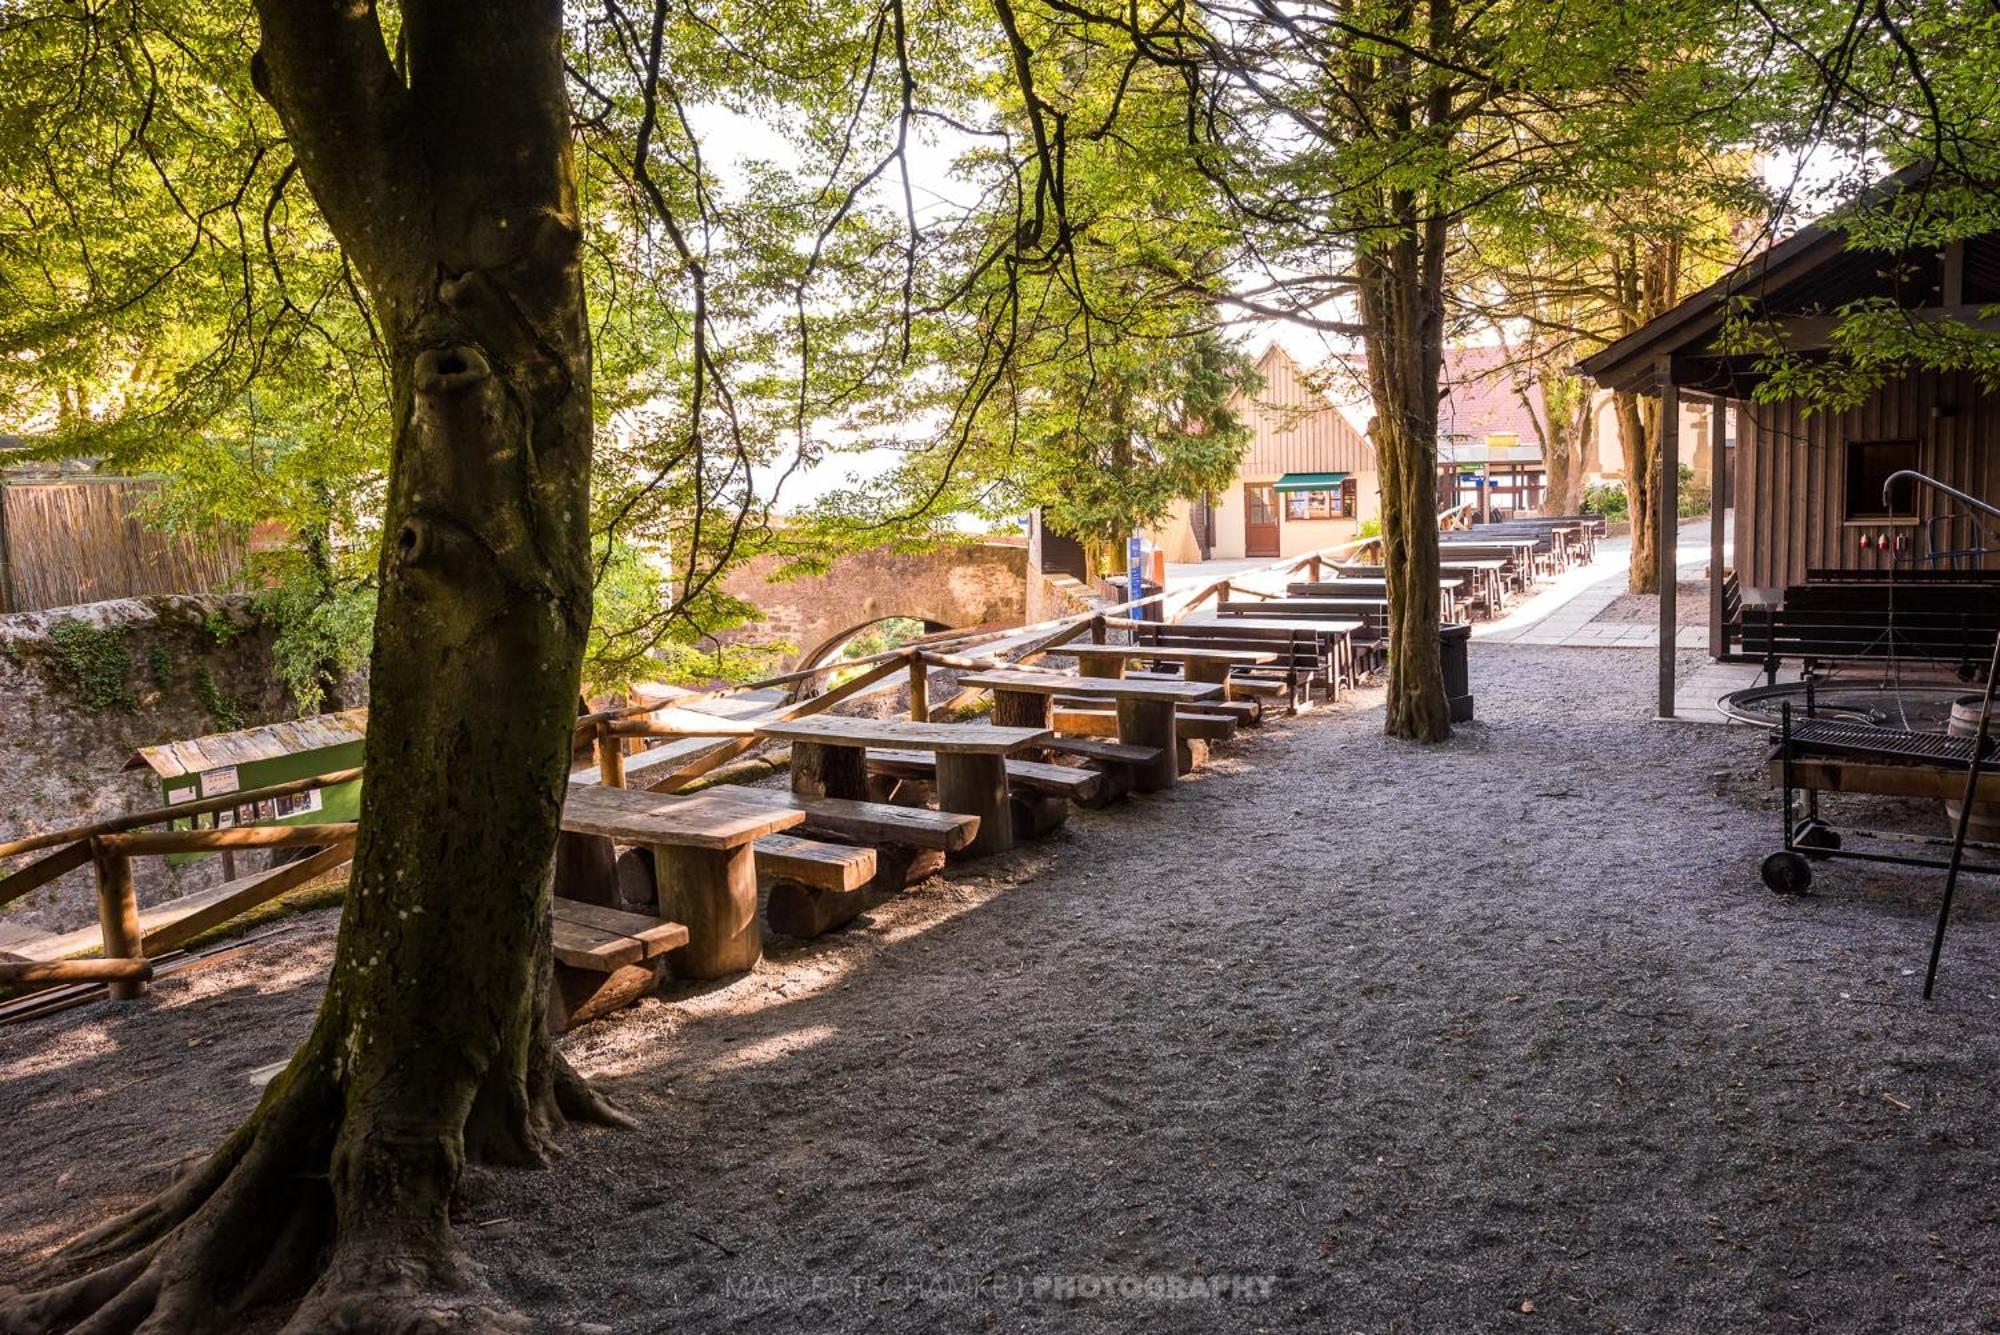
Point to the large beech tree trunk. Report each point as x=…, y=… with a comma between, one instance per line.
x=454, y=196
x=1639, y=428
x=1401, y=291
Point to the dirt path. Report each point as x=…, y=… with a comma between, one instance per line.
x=1416, y=1036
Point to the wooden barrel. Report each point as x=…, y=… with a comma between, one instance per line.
x=1985, y=825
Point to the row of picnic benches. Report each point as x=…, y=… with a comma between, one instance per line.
x=1940, y=618
x=876, y=804
x=645, y=879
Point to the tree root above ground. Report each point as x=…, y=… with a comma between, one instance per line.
x=290, y=1211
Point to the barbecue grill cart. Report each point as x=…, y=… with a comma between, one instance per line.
x=1811, y=756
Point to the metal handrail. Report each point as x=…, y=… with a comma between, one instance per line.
x=1889, y=485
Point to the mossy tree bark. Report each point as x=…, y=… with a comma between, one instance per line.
x=1400, y=286
x=453, y=194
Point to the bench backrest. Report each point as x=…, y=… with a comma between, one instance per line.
x=1827, y=635
x=1372, y=613
x=1298, y=650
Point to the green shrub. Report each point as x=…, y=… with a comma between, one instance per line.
x=1607, y=499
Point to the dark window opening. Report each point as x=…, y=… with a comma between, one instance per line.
x=1869, y=466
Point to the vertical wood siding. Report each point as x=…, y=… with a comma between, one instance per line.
x=1792, y=476
x=1294, y=429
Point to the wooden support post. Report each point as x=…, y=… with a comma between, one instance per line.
x=1668, y=498
x=1151, y=723
x=1718, y=502
x=610, y=758
x=713, y=893
x=976, y=785
x=920, y=688
x=1315, y=570
x=1093, y=666
x=1097, y=635
x=118, y=917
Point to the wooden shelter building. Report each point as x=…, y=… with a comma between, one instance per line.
x=1807, y=487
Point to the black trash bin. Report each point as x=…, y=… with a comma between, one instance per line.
x=1453, y=645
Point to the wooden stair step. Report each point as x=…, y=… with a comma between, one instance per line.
x=1079, y=785
x=810, y=862
x=602, y=940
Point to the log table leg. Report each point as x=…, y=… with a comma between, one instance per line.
x=713, y=893
x=976, y=785
x=1095, y=666
x=804, y=910
x=1151, y=723
x=829, y=771
x=1022, y=709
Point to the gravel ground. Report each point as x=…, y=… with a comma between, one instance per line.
x=1498, y=1035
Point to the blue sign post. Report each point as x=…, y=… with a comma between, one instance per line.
x=1135, y=564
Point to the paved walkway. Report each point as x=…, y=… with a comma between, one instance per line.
x=1564, y=612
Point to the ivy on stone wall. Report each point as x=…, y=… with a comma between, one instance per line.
x=93, y=661
x=227, y=711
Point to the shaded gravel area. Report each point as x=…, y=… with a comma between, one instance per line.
x=1498, y=1035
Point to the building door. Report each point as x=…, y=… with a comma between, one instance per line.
x=1260, y=519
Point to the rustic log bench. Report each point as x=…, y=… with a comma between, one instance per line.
x=704, y=861
x=1146, y=715
x=605, y=959
x=829, y=759
x=905, y=844
x=1032, y=819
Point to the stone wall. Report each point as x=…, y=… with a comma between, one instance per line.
x=955, y=586
x=82, y=688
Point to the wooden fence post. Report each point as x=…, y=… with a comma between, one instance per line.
x=610, y=757
x=118, y=916
x=920, y=687
x=1097, y=635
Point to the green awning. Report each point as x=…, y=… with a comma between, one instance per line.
x=1311, y=481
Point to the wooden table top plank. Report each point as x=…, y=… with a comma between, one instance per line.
x=1224, y=625
x=875, y=822
x=1166, y=653
x=715, y=819
x=1110, y=688
x=942, y=738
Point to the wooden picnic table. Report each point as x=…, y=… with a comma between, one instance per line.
x=703, y=856
x=1519, y=553
x=1145, y=710
x=1204, y=665
x=830, y=759
x=1338, y=633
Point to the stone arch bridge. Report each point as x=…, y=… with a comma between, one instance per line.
x=949, y=587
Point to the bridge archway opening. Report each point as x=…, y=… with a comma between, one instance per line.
x=860, y=641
